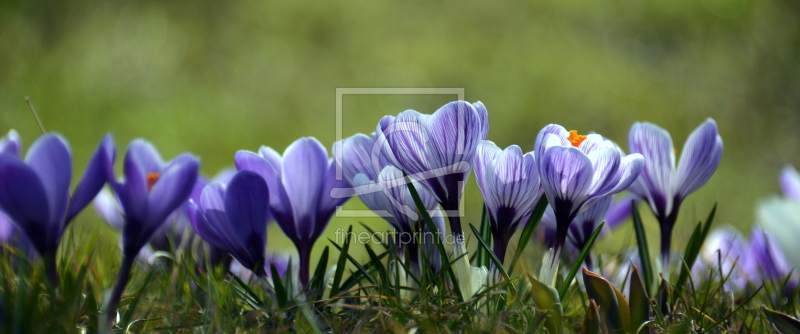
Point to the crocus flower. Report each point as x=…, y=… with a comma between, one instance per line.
x=300, y=185
x=149, y=192
x=280, y=261
x=234, y=218
x=509, y=182
x=577, y=171
x=790, y=182
x=726, y=249
x=34, y=193
x=11, y=144
x=385, y=192
x=663, y=186
x=437, y=149
x=766, y=257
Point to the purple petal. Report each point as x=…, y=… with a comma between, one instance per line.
x=333, y=194
x=225, y=175
x=566, y=174
x=484, y=155
x=657, y=180
x=594, y=142
x=50, y=159
x=619, y=211
x=354, y=155
x=7, y=229
x=171, y=189
x=606, y=163
x=109, y=209
x=699, y=159
x=212, y=231
x=542, y=141
x=94, y=177
x=406, y=137
x=305, y=164
x=11, y=143
x=454, y=130
x=24, y=199
x=132, y=192
x=247, y=214
x=512, y=182
x=267, y=165
x=483, y=115
x=145, y=155
x=272, y=157
x=790, y=182
x=768, y=258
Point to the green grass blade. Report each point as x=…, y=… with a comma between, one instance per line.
x=280, y=290
x=579, y=261
x=318, y=281
x=340, y=264
x=693, y=248
x=481, y=257
x=644, y=250
x=527, y=232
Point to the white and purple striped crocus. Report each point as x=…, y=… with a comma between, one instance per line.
x=150, y=191
x=234, y=218
x=300, y=184
x=383, y=190
x=509, y=182
x=34, y=192
x=437, y=149
x=663, y=186
x=577, y=171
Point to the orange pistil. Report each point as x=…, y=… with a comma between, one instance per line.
x=152, y=177
x=575, y=139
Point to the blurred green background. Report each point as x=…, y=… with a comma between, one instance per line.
x=215, y=77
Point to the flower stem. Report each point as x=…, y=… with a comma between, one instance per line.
x=305, y=263
x=119, y=288
x=500, y=245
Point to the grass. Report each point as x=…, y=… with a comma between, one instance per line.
x=379, y=294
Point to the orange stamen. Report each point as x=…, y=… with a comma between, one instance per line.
x=575, y=139
x=152, y=177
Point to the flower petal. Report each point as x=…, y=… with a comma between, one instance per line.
x=485, y=155
x=354, y=155
x=247, y=214
x=406, y=136
x=132, y=192
x=11, y=143
x=50, y=159
x=657, y=179
x=305, y=163
x=333, y=194
x=94, y=177
x=699, y=159
x=170, y=191
x=483, y=115
x=455, y=130
x=107, y=207
x=790, y=182
x=212, y=231
x=7, y=229
x=23, y=198
x=512, y=183
x=566, y=175
x=145, y=156
x=542, y=142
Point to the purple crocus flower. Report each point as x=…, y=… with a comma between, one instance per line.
x=149, y=192
x=34, y=193
x=10, y=144
x=300, y=185
x=577, y=171
x=727, y=245
x=790, y=182
x=437, y=149
x=383, y=190
x=234, y=218
x=663, y=186
x=509, y=182
x=766, y=257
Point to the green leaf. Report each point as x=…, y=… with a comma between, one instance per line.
x=481, y=256
x=579, y=262
x=527, y=232
x=492, y=257
x=614, y=311
x=341, y=263
x=546, y=298
x=693, y=249
x=280, y=290
x=377, y=264
x=644, y=250
x=782, y=322
x=318, y=281
x=591, y=324
x=639, y=302
x=663, y=297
